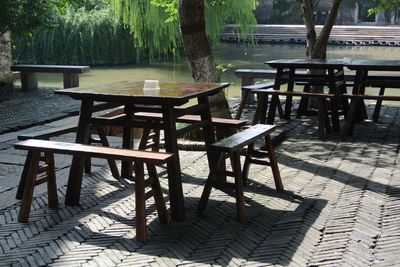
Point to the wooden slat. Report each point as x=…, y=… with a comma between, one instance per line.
x=295, y=93
x=93, y=151
x=243, y=138
x=219, y=122
x=374, y=97
x=48, y=133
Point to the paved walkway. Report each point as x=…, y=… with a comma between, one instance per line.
x=340, y=208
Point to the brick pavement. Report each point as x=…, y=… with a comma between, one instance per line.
x=340, y=208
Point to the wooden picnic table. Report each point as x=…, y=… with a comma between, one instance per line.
x=291, y=71
x=364, y=78
x=166, y=100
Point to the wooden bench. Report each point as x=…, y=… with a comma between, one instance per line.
x=324, y=125
x=222, y=125
x=231, y=147
x=355, y=105
x=246, y=91
x=35, y=147
x=29, y=80
x=57, y=131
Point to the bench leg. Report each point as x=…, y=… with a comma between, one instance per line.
x=335, y=114
x=351, y=116
x=24, y=175
x=28, y=81
x=246, y=165
x=273, y=163
x=51, y=181
x=303, y=105
x=26, y=202
x=218, y=159
x=141, y=234
x=378, y=105
x=245, y=95
x=158, y=195
x=323, y=123
x=71, y=80
x=240, y=207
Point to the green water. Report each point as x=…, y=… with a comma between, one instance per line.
x=236, y=55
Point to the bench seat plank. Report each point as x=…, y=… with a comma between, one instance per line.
x=48, y=133
x=374, y=97
x=93, y=151
x=50, y=68
x=218, y=122
x=239, y=140
x=29, y=80
x=295, y=93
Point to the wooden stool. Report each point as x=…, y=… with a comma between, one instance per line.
x=231, y=147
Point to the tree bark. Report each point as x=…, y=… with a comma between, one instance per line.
x=317, y=46
x=6, y=81
x=198, y=52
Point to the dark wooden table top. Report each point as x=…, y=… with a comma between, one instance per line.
x=373, y=64
x=306, y=63
x=176, y=93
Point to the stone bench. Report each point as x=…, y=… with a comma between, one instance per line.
x=29, y=80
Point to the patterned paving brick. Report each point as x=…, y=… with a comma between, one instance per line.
x=341, y=207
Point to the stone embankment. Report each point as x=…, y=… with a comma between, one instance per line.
x=340, y=35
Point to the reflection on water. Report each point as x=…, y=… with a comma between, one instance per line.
x=239, y=55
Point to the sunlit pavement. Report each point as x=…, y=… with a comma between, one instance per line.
x=341, y=207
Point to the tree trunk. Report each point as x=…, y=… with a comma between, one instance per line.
x=6, y=81
x=317, y=46
x=198, y=52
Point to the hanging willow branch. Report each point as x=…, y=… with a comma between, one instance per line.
x=81, y=37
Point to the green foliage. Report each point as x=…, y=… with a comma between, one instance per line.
x=155, y=27
x=382, y=5
x=24, y=15
x=220, y=12
x=81, y=37
x=64, y=5
x=152, y=36
x=171, y=8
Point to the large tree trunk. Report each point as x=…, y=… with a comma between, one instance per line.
x=317, y=46
x=198, y=52
x=6, y=81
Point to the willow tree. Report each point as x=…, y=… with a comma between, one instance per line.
x=170, y=25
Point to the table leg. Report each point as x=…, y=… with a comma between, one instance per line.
x=275, y=98
x=290, y=87
x=127, y=142
x=76, y=171
x=261, y=111
x=359, y=88
x=334, y=100
x=173, y=166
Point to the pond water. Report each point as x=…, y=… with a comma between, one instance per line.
x=228, y=54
